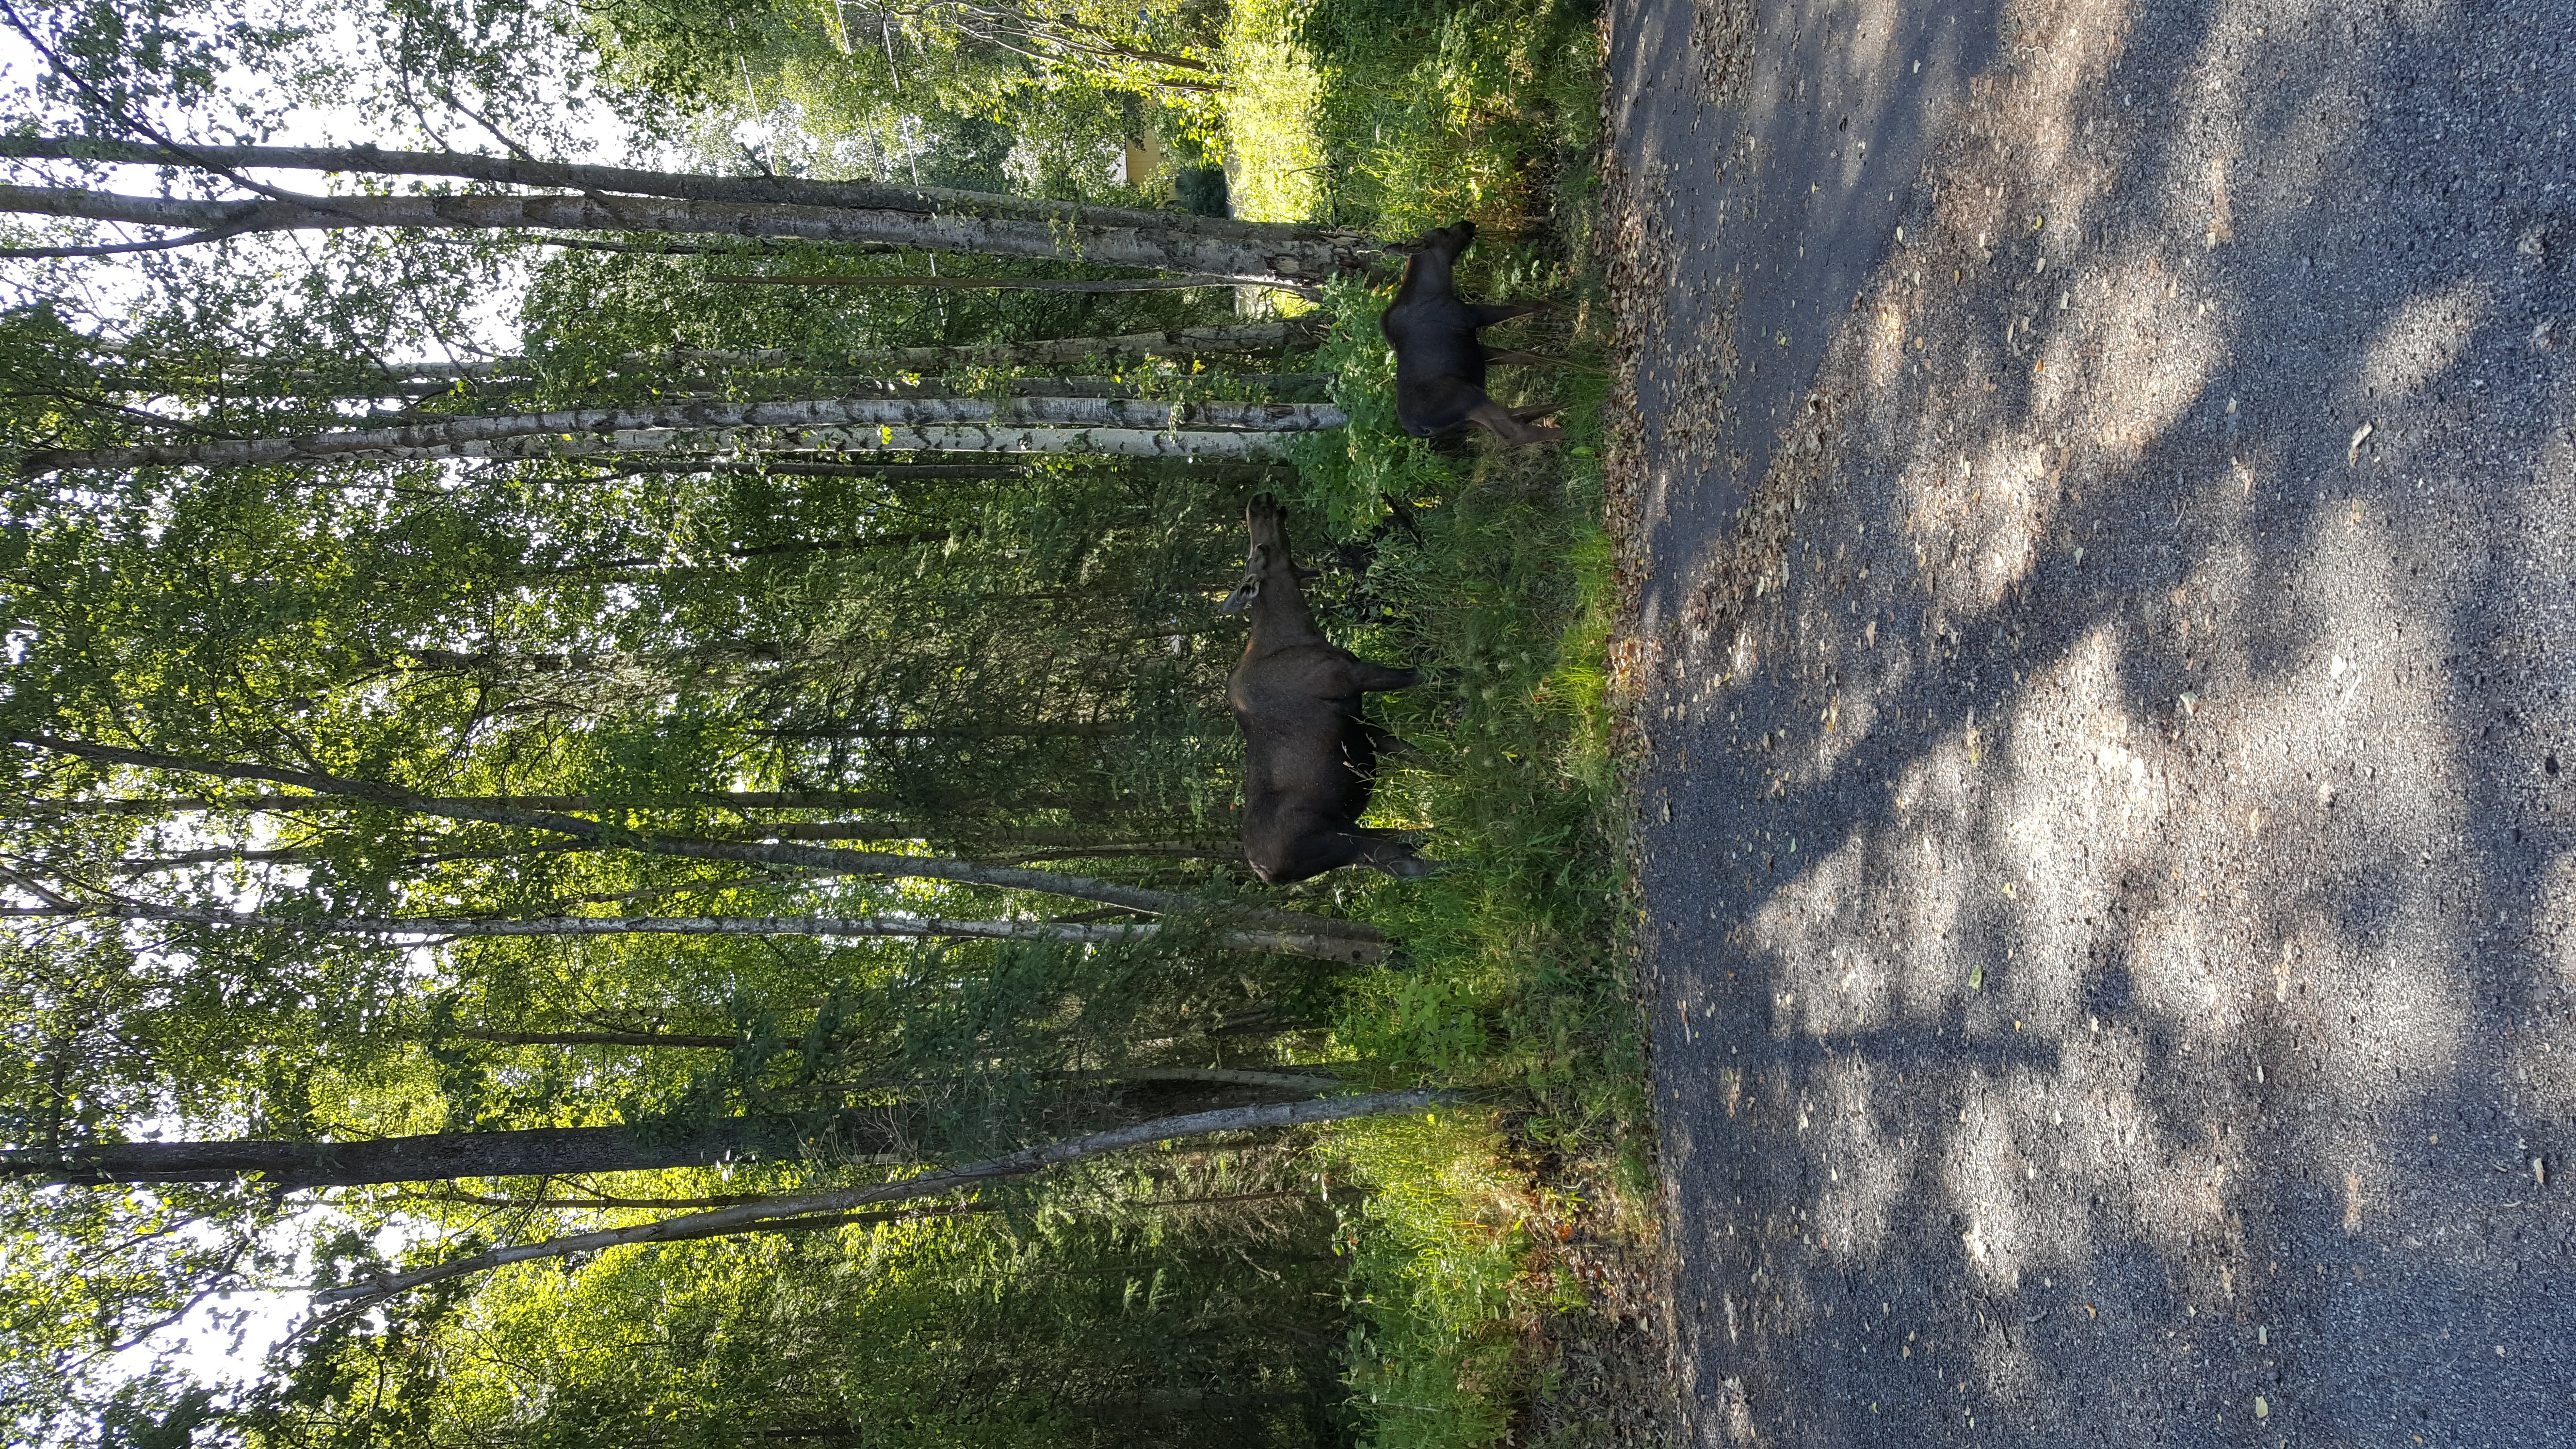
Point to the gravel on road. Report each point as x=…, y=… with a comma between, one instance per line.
x=2101, y=513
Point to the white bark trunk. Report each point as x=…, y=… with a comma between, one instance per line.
x=789, y=190
x=1179, y=342
x=897, y=924
x=1125, y=426
x=1368, y=943
x=1263, y=262
x=748, y=1216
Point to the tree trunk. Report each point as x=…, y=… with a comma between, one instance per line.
x=1052, y=842
x=711, y=423
x=797, y=468
x=1079, y=731
x=1309, y=1082
x=1367, y=942
x=1039, y=441
x=794, y=191
x=535, y=1152
x=1268, y=262
x=437, y=804
x=748, y=1217
x=982, y=284
x=895, y=924
x=440, y=804
x=647, y=1040
x=1186, y=342
x=627, y=569
x=1245, y=473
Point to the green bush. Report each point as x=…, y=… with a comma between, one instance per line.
x=1490, y=570
x=1499, y=589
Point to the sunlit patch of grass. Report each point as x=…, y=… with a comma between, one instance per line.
x=1439, y=1271
x=1275, y=157
x=1505, y=604
x=1436, y=111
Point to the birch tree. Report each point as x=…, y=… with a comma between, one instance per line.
x=200, y=221
x=902, y=925
x=1151, y=902
x=1027, y=424
x=964, y=1176
x=1327, y=243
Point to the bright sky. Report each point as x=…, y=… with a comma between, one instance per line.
x=597, y=135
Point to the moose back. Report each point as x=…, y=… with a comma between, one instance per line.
x=1310, y=759
x=1439, y=361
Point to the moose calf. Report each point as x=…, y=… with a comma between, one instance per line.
x=1439, y=364
x=1310, y=760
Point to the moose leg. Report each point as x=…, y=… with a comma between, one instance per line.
x=1486, y=314
x=1499, y=420
x=1307, y=856
x=1367, y=678
x=1315, y=854
x=1391, y=853
x=1385, y=742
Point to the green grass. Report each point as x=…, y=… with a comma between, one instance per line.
x=1512, y=980
x=1490, y=569
x=1433, y=110
x=1393, y=116
x=1440, y=1272
x=1269, y=111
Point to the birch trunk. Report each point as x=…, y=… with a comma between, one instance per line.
x=1036, y=424
x=544, y=1151
x=982, y=284
x=1178, y=343
x=896, y=924
x=748, y=1217
x=306, y=804
x=1367, y=943
x=1064, y=842
x=686, y=186
x=1264, y=262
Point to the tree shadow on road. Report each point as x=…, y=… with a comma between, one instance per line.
x=2110, y=501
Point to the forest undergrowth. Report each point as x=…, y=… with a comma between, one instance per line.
x=1489, y=569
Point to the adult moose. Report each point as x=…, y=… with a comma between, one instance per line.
x=1439, y=363
x=1310, y=760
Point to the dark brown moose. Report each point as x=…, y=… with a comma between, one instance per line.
x=1439, y=364
x=1310, y=760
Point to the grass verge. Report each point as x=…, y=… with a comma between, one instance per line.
x=1491, y=572
x=1490, y=569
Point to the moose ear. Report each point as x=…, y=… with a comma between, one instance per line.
x=1242, y=597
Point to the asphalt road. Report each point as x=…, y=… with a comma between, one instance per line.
x=2103, y=502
